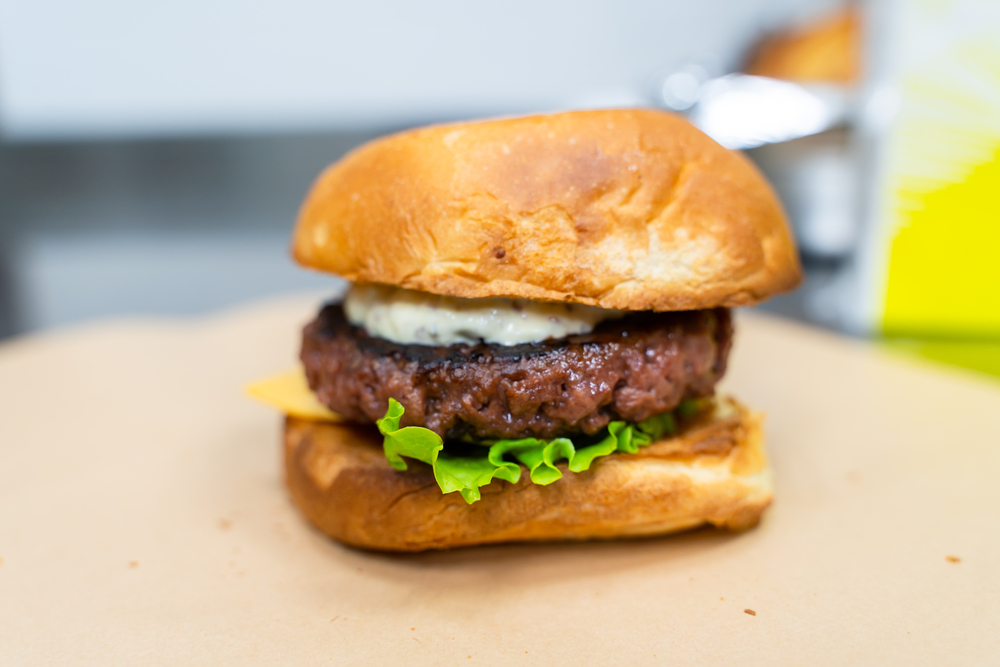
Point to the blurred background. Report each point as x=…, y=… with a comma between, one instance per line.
x=153, y=154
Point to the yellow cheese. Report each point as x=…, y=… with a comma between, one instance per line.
x=289, y=392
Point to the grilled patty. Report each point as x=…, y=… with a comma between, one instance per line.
x=630, y=368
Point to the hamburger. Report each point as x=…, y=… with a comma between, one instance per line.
x=537, y=319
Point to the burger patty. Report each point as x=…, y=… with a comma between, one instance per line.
x=631, y=368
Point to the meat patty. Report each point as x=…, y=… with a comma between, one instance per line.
x=631, y=368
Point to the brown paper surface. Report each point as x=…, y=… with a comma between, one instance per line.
x=143, y=521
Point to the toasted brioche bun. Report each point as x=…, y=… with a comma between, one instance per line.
x=714, y=473
x=828, y=51
x=626, y=209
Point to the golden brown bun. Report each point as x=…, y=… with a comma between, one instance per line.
x=714, y=473
x=628, y=209
x=824, y=52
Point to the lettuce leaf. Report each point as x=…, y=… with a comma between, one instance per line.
x=464, y=474
x=467, y=473
x=660, y=425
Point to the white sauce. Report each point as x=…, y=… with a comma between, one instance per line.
x=407, y=316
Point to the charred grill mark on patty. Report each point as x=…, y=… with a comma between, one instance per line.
x=631, y=368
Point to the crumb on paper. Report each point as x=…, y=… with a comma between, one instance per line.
x=953, y=559
x=335, y=618
x=722, y=599
x=225, y=524
x=133, y=564
x=750, y=611
x=412, y=628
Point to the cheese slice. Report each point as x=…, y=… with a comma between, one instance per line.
x=289, y=392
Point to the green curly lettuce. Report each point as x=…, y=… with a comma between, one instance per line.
x=464, y=474
x=467, y=473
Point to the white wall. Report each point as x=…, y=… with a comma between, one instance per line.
x=85, y=68
x=72, y=278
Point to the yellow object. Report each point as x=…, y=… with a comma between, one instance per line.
x=289, y=392
x=943, y=274
x=982, y=356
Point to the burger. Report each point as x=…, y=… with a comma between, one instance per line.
x=537, y=319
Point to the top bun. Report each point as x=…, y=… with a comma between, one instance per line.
x=625, y=209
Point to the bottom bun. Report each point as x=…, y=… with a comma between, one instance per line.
x=714, y=472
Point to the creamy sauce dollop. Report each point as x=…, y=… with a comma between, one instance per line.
x=410, y=317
